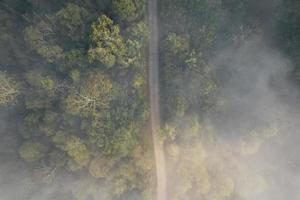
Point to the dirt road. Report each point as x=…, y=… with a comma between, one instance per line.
x=154, y=102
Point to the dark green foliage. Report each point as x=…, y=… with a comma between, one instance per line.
x=81, y=84
x=185, y=71
x=70, y=21
x=128, y=10
x=289, y=32
x=77, y=73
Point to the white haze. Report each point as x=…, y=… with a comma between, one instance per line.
x=254, y=91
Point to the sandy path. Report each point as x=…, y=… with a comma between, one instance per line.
x=154, y=101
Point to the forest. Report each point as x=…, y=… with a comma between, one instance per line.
x=75, y=111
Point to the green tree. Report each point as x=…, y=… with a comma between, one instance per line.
x=93, y=94
x=37, y=38
x=41, y=80
x=8, y=89
x=77, y=149
x=43, y=89
x=124, y=178
x=70, y=21
x=138, y=31
x=128, y=10
x=32, y=151
x=107, y=45
x=177, y=44
x=100, y=166
x=75, y=59
x=122, y=142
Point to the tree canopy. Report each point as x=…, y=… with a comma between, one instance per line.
x=74, y=96
x=8, y=89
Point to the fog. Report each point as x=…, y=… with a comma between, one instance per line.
x=245, y=147
x=256, y=127
x=257, y=93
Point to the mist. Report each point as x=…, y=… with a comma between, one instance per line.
x=179, y=100
x=245, y=147
x=255, y=129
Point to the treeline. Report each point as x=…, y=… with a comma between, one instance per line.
x=76, y=73
x=192, y=34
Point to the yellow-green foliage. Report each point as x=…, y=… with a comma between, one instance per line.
x=124, y=178
x=76, y=149
x=128, y=10
x=100, y=166
x=34, y=36
x=51, y=53
x=8, y=89
x=189, y=176
x=142, y=158
x=40, y=80
x=177, y=44
x=94, y=93
x=170, y=131
x=32, y=151
x=172, y=150
x=125, y=9
x=107, y=45
x=211, y=170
